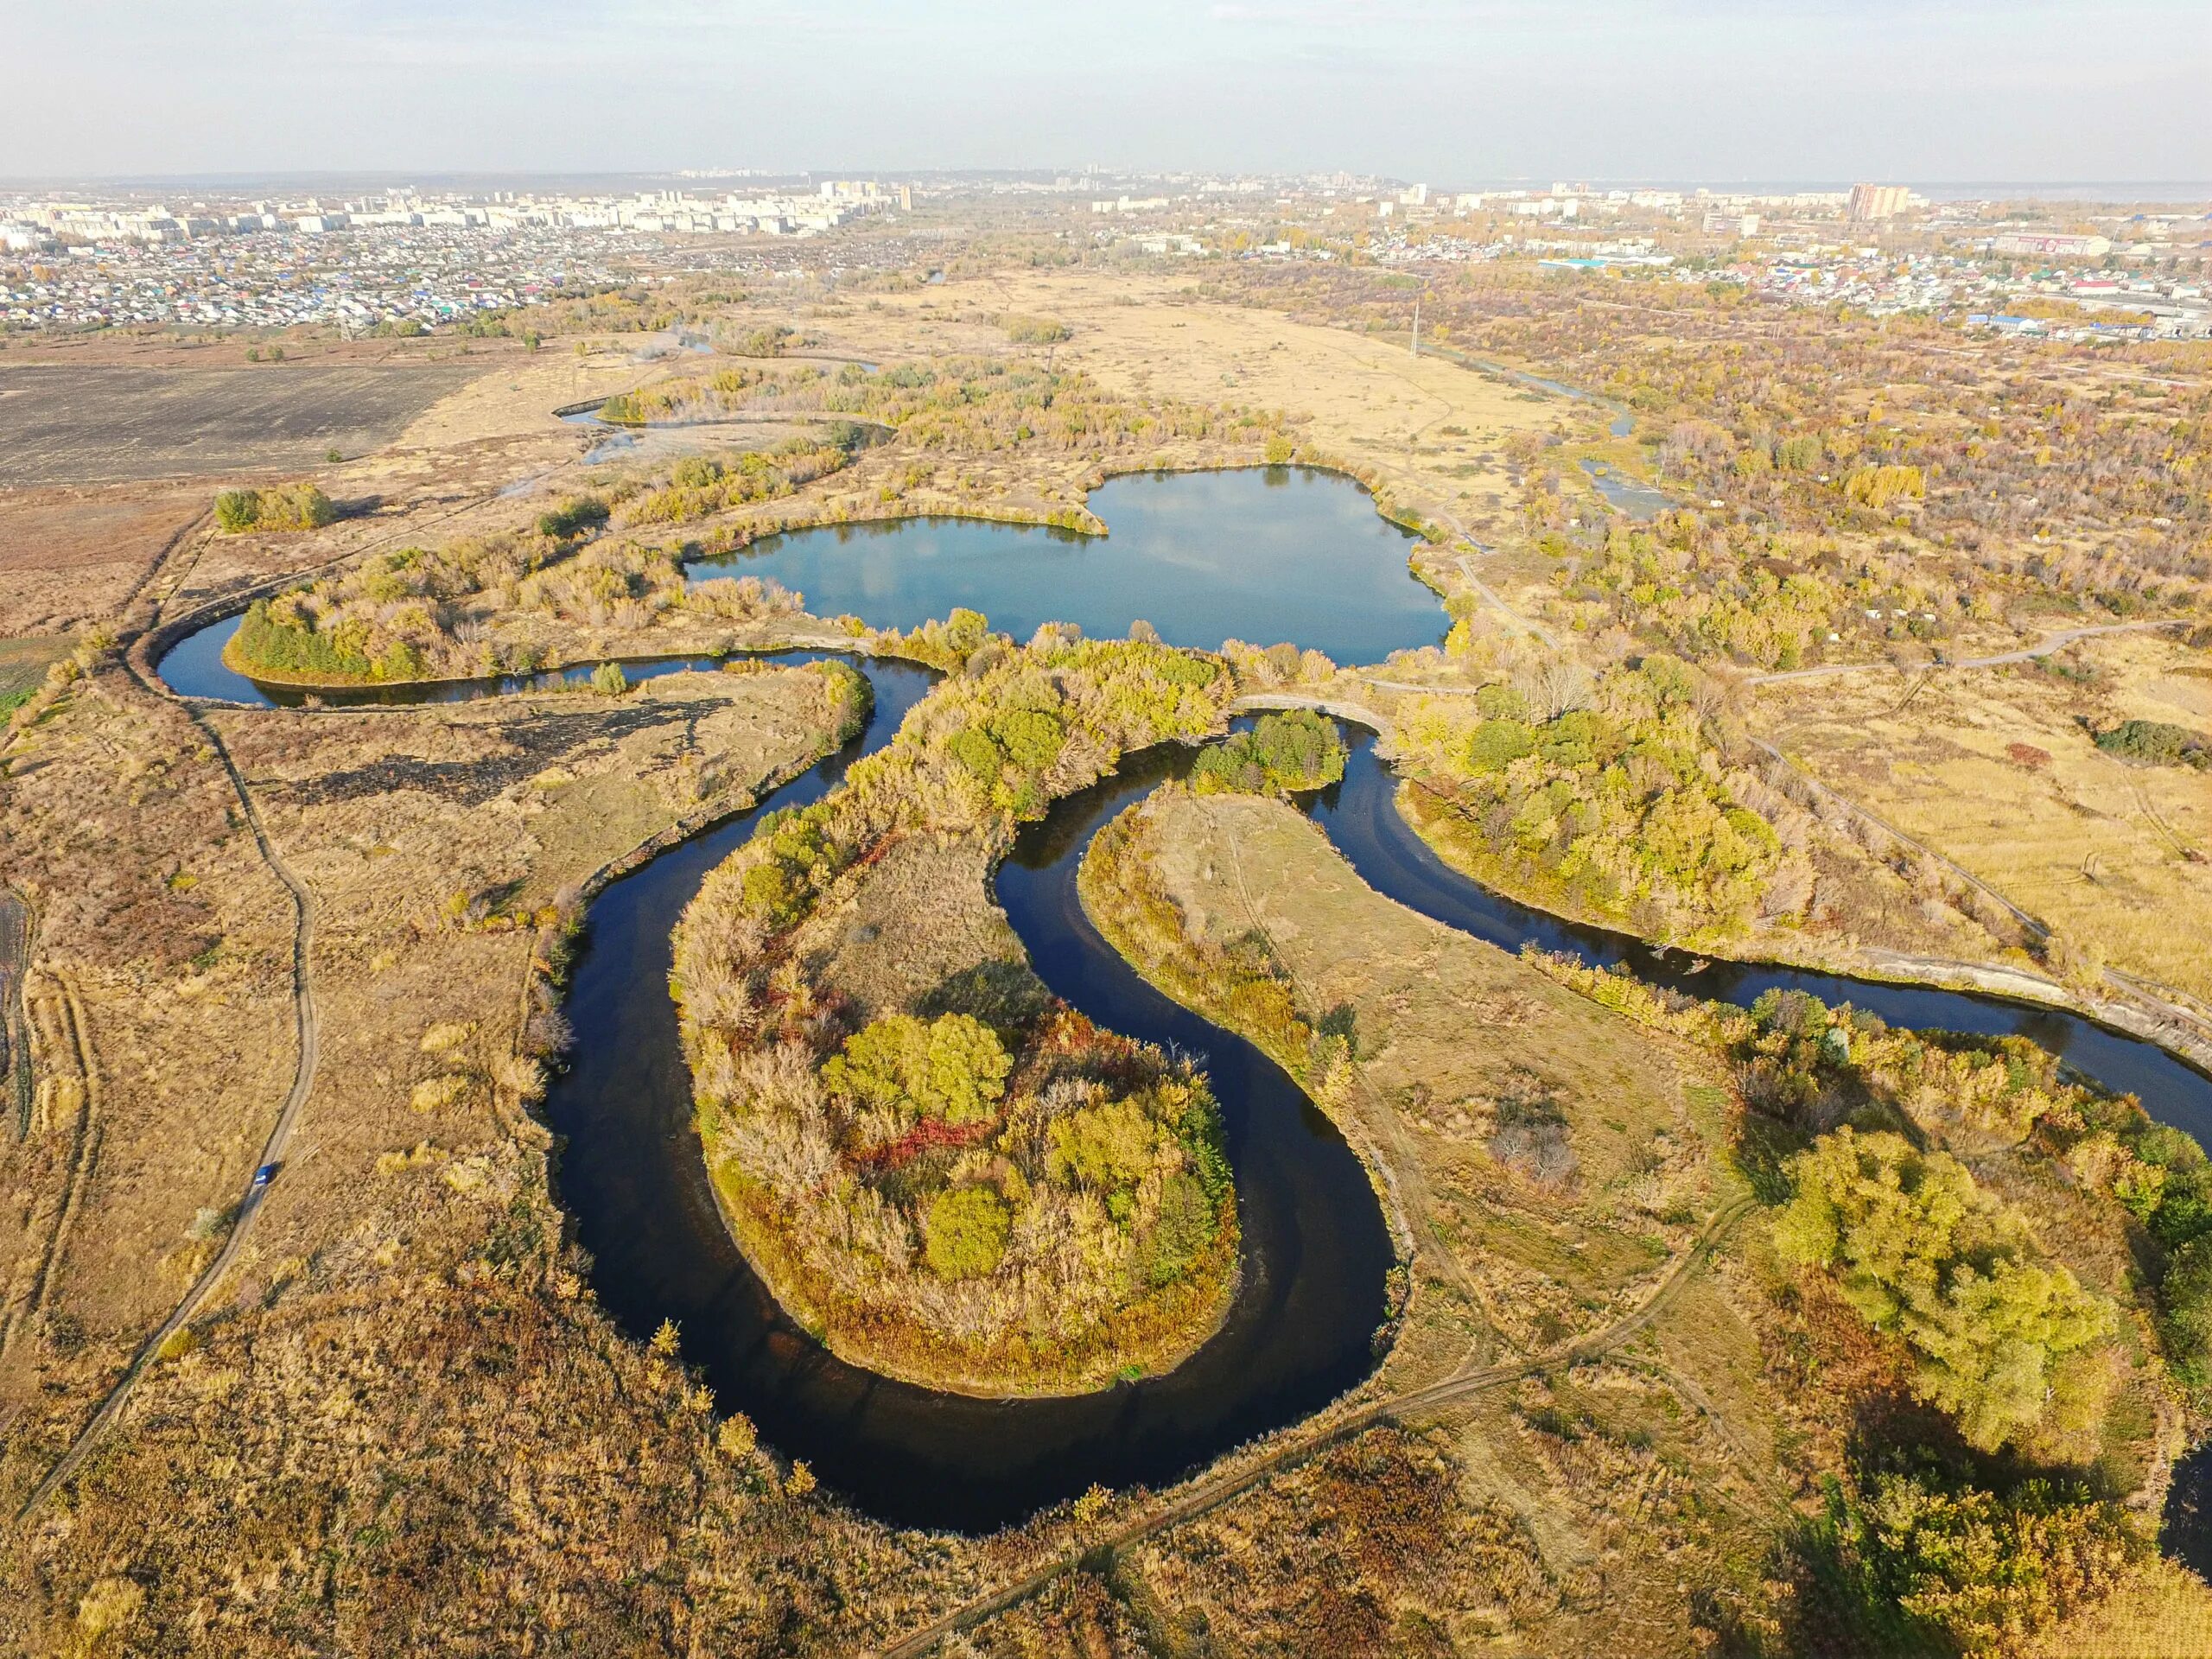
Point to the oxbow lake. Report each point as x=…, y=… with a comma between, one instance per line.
x=1260, y=553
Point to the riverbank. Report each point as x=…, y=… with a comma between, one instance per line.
x=1197, y=880
x=2136, y=1010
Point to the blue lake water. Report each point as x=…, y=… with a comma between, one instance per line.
x=1260, y=553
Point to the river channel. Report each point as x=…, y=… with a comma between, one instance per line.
x=1316, y=1248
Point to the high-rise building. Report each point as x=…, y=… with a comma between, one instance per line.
x=1870, y=202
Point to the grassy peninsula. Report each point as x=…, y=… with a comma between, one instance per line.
x=944, y=1174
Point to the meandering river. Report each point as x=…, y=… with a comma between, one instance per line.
x=1316, y=1249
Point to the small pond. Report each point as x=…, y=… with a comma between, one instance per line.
x=1628, y=495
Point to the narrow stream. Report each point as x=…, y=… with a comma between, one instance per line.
x=193, y=667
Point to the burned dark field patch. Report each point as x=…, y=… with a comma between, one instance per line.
x=111, y=423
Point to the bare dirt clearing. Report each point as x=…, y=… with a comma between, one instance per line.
x=106, y=422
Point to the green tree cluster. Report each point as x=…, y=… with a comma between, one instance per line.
x=966, y=1232
x=1620, y=808
x=1916, y=1552
x=574, y=516
x=1060, y=1189
x=1034, y=331
x=1298, y=750
x=285, y=645
x=283, y=506
x=953, y=1068
x=701, y=485
x=424, y=612
x=2158, y=743
x=1999, y=1339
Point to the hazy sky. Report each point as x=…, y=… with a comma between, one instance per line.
x=1445, y=90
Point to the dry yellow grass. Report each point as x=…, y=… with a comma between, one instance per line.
x=2108, y=853
x=1370, y=401
x=2163, y=1611
x=402, y=1424
x=1550, y=1230
x=162, y=998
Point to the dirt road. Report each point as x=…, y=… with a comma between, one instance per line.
x=1215, y=1490
x=272, y=1151
x=2026, y=654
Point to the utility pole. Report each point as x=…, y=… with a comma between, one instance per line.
x=1417, y=324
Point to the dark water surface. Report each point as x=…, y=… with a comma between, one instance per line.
x=1260, y=553
x=1316, y=1250
x=1362, y=817
x=193, y=667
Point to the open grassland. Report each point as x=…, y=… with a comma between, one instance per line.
x=23, y=664
x=434, y=843
x=1435, y=432
x=400, y=1422
x=1551, y=1163
x=159, y=1008
x=70, y=555
x=1239, y=906
x=1998, y=768
x=1548, y=1172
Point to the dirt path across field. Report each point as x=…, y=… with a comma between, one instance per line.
x=2026, y=654
x=1211, y=1491
x=272, y=1150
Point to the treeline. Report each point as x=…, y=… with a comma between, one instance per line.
x=972, y=405
x=690, y=398
x=2032, y=461
x=1030, y=1202
x=1709, y=589
x=463, y=609
x=700, y=486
